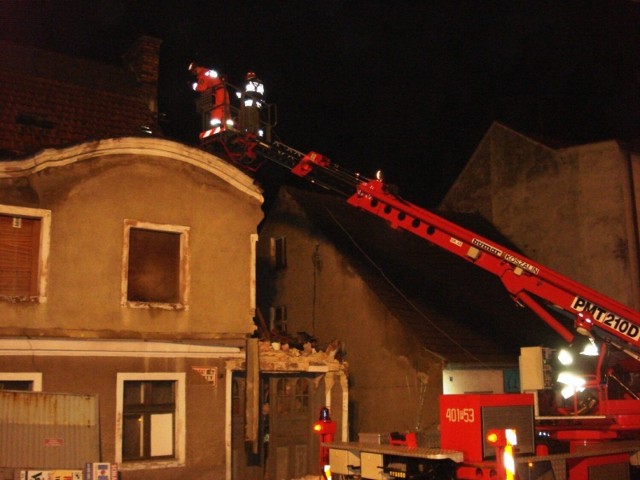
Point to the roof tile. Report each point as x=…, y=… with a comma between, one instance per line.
x=51, y=100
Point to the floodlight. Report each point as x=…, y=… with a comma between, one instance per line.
x=565, y=357
x=590, y=349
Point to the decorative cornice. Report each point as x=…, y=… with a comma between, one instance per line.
x=152, y=147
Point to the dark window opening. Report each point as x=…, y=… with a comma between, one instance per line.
x=279, y=252
x=22, y=385
x=154, y=266
x=278, y=318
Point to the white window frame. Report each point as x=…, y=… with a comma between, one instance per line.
x=184, y=280
x=34, y=377
x=180, y=419
x=45, y=241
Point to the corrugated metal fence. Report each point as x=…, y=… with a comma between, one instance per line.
x=48, y=430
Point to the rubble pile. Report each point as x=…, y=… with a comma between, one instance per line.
x=278, y=356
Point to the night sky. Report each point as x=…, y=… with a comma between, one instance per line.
x=409, y=87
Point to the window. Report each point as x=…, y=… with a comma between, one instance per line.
x=301, y=400
x=278, y=318
x=22, y=385
x=151, y=409
x=283, y=396
x=148, y=422
x=278, y=247
x=237, y=402
x=24, y=381
x=24, y=252
x=292, y=396
x=155, y=267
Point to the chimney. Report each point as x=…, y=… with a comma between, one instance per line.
x=143, y=58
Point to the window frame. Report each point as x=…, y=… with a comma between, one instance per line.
x=34, y=377
x=184, y=270
x=278, y=252
x=278, y=318
x=179, y=420
x=293, y=396
x=43, y=249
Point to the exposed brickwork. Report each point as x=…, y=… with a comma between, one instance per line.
x=143, y=59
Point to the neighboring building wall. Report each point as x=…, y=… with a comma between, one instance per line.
x=78, y=328
x=393, y=381
x=575, y=210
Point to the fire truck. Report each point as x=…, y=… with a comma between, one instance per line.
x=594, y=435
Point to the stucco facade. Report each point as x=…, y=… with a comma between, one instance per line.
x=83, y=331
x=91, y=192
x=574, y=209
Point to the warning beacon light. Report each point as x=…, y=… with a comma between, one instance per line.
x=326, y=428
x=324, y=425
x=496, y=437
x=500, y=438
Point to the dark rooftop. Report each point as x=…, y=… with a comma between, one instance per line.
x=51, y=100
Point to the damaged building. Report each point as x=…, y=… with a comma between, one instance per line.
x=415, y=321
x=132, y=270
x=127, y=272
x=412, y=320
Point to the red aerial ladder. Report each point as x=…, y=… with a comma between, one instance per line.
x=530, y=284
x=554, y=298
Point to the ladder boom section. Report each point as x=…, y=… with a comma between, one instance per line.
x=523, y=278
x=530, y=284
x=540, y=289
x=314, y=168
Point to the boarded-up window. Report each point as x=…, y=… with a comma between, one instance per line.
x=148, y=426
x=154, y=266
x=19, y=255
